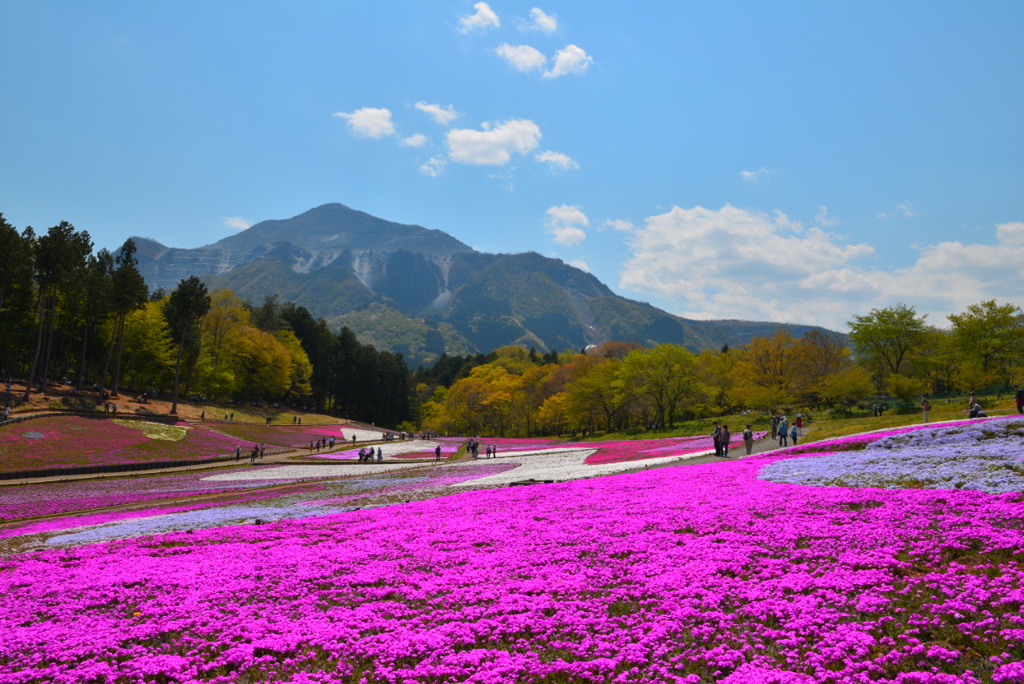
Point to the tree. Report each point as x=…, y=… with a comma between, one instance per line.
x=846, y=386
x=665, y=375
x=184, y=308
x=886, y=339
x=991, y=336
x=764, y=371
x=904, y=388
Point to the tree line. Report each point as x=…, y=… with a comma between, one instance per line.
x=89, y=319
x=88, y=322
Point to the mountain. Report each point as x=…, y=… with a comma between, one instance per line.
x=421, y=292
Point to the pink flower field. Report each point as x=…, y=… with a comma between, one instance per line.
x=290, y=436
x=703, y=573
x=65, y=441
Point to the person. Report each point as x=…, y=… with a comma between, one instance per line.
x=716, y=432
x=799, y=422
x=1018, y=398
x=238, y=452
x=437, y=454
x=723, y=439
x=775, y=427
x=380, y=455
x=202, y=416
x=748, y=440
x=783, y=427
x=925, y=408
x=794, y=434
x=975, y=411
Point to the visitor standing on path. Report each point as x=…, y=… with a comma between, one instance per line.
x=723, y=438
x=716, y=433
x=775, y=427
x=748, y=440
x=794, y=434
x=238, y=452
x=437, y=454
x=783, y=427
x=925, y=408
x=1018, y=397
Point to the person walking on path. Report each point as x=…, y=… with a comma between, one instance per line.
x=1018, y=397
x=238, y=452
x=437, y=454
x=723, y=438
x=716, y=433
x=748, y=440
x=799, y=423
x=794, y=434
x=775, y=427
x=783, y=427
x=925, y=408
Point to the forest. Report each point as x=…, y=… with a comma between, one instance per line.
x=86, y=320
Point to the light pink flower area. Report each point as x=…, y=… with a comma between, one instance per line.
x=639, y=450
x=702, y=573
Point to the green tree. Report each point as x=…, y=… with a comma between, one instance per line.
x=665, y=375
x=991, y=336
x=904, y=388
x=886, y=340
x=846, y=386
x=184, y=308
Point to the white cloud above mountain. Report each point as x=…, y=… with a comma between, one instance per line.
x=236, y=222
x=442, y=114
x=415, y=140
x=494, y=144
x=522, y=57
x=433, y=167
x=557, y=160
x=369, y=122
x=565, y=223
x=543, y=22
x=483, y=18
x=738, y=263
x=571, y=59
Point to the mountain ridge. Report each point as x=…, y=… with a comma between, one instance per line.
x=422, y=292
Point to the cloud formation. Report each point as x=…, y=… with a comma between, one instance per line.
x=557, y=160
x=415, y=140
x=495, y=144
x=735, y=263
x=758, y=174
x=369, y=122
x=545, y=23
x=571, y=59
x=564, y=223
x=236, y=222
x=443, y=115
x=484, y=18
x=522, y=57
x=823, y=219
x=433, y=167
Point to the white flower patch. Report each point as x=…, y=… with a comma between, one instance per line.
x=391, y=449
x=560, y=464
x=361, y=435
x=308, y=472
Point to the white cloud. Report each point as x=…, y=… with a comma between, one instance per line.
x=734, y=263
x=495, y=144
x=620, y=225
x=483, y=18
x=823, y=219
x=905, y=208
x=522, y=57
x=441, y=114
x=236, y=222
x=557, y=160
x=433, y=167
x=369, y=122
x=571, y=59
x=415, y=140
x=546, y=23
x=564, y=223
x=580, y=264
x=755, y=175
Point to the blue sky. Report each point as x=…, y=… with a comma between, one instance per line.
x=790, y=161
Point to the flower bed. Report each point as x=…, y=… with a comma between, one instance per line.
x=290, y=436
x=640, y=450
x=987, y=456
x=696, y=574
x=67, y=441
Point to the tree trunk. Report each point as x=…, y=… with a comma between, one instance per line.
x=117, y=363
x=81, y=360
x=106, y=366
x=177, y=374
x=39, y=345
x=49, y=340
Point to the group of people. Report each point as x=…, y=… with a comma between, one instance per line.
x=366, y=455
x=258, y=451
x=783, y=431
x=322, y=443
x=721, y=436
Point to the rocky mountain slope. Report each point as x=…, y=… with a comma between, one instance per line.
x=421, y=292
